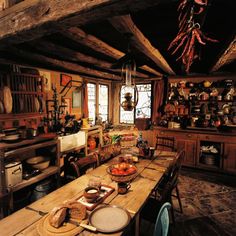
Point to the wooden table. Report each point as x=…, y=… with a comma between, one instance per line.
x=24, y=222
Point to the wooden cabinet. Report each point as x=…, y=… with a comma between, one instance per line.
x=222, y=158
x=183, y=141
x=190, y=147
x=229, y=161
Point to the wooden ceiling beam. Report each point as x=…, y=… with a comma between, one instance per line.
x=150, y=70
x=124, y=24
x=46, y=46
x=98, y=45
x=60, y=63
x=63, y=53
x=226, y=57
x=32, y=19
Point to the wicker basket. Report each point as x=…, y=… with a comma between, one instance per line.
x=128, y=143
x=121, y=178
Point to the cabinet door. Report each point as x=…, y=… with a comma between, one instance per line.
x=190, y=150
x=230, y=157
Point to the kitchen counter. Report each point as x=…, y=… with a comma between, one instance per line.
x=197, y=130
x=27, y=142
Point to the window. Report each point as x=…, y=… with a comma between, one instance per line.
x=98, y=101
x=103, y=102
x=92, y=102
x=143, y=108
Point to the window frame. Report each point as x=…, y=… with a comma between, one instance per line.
x=134, y=113
x=95, y=98
x=97, y=83
x=108, y=95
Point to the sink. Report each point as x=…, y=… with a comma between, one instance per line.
x=72, y=141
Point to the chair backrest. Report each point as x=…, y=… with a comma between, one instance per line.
x=162, y=221
x=176, y=168
x=165, y=143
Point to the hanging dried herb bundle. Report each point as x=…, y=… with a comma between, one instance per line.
x=189, y=36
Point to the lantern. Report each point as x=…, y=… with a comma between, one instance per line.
x=129, y=90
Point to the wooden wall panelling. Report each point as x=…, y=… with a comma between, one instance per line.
x=150, y=136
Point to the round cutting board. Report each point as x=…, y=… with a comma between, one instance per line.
x=7, y=99
x=45, y=229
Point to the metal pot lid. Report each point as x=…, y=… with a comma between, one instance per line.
x=12, y=164
x=109, y=218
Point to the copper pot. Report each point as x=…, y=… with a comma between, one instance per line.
x=204, y=96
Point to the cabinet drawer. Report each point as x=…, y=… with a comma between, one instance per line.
x=187, y=136
x=213, y=138
x=166, y=133
x=177, y=135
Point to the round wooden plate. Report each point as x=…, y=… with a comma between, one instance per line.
x=45, y=229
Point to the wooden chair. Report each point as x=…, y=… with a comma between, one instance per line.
x=164, y=190
x=76, y=166
x=162, y=221
x=165, y=143
x=175, y=175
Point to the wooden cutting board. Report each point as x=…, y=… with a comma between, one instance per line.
x=45, y=229
x=7, y=99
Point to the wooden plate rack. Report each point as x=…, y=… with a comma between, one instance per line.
x=27, y=94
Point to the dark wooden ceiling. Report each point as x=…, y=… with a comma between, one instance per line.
x=86, y=55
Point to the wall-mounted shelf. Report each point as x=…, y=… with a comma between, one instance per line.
x=22, y=150
x=92, y=131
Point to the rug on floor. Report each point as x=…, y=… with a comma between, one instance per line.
x=209, y=206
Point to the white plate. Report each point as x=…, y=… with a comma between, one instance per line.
x=11, y=137
x=109, y=219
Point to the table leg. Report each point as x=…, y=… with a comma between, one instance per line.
x=137, y=224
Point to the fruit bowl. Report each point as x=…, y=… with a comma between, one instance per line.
x=122, y=172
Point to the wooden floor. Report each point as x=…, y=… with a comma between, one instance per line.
x=209, y=204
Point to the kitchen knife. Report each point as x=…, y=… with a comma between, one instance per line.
x=89, y=227
x=39, y=212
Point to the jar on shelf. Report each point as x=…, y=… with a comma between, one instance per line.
x=91, y=143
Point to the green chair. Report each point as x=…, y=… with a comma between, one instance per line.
x=162, y=221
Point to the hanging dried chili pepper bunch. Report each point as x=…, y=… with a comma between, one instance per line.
x=189, y=36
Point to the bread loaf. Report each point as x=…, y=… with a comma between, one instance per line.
x=57, y=216
x=71, y=209
x=76, y=210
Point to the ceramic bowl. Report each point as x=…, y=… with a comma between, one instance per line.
x=39, y=162
x=91, y=194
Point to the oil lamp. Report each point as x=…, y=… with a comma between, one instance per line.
x=129, y=90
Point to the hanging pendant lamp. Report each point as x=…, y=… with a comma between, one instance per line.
x=129, y=89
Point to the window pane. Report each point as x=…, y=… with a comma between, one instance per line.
x=125, y=116
x=92, y=101
x=103, y=102
x=143, y=108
